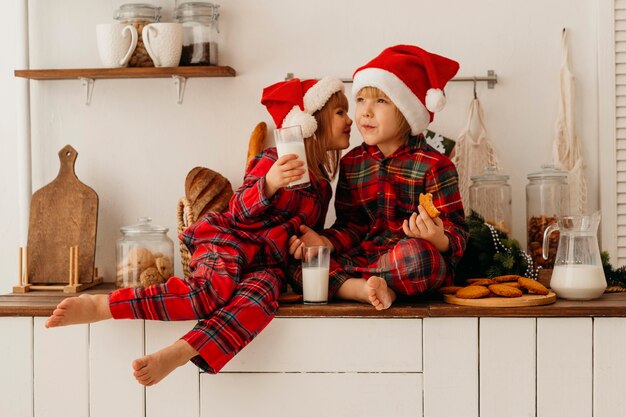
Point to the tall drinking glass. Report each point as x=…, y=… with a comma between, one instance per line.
x=289, y=140
x=315, y=269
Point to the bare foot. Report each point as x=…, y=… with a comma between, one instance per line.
x=86, y=308
x=379, y=294
x=152, y=368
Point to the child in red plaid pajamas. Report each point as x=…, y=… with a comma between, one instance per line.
x=381, y=232
x=238, y=256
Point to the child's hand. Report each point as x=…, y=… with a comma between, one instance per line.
x=308, y=237
x=286, y=169
x=422, y=226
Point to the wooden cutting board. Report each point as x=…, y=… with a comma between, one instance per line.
x=63, y=213
x=523, y=301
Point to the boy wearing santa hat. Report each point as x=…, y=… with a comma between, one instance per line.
x=238, y=257
x=384, y=243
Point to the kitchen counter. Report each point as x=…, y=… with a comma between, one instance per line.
x=42, y=303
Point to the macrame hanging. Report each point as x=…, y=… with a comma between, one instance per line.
x=566, y=151
x=472, y=152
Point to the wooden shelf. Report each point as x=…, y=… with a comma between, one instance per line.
x=134, y=72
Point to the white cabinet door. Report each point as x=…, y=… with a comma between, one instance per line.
x=16, y=366
x=507, y=367
x=311, y=395
x=609, y=372
x=177, y=394
x=451, y=367
x=564, y=367
x=61, y=370
x=333, y=345
x=113, y=345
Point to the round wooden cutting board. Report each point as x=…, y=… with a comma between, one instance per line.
x=523, y=301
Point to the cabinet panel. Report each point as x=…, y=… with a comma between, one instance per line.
x=564, y=367
x=333, y=345
x=609, y=372
x=507, y=367
x=178, y=393
x=16, y=363
x=311, y=395
x=113, y=345
x=61, y=370
x=451, y=367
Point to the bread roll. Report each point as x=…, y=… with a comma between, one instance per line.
x=206, y=191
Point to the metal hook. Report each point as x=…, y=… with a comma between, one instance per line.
x=475, y=95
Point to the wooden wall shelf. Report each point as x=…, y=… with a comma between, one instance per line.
x=105, y=73
x=88, y=76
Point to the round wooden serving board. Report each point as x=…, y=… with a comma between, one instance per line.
x=523, y=301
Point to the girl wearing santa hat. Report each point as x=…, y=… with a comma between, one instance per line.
x=384, y=243
x=238, y=256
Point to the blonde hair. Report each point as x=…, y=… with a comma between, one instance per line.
x=324, y=163
x=404, y=129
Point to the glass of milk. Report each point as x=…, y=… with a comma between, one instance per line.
x=289, y=140
x=315, y=267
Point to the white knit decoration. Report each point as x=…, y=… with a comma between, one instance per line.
x=435, y=100
x=566, y=152
x=473, y=153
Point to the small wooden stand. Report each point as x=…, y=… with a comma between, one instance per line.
x=74, y=285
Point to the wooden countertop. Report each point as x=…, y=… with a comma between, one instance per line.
x=42, y=303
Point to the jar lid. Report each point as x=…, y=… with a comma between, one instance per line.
x=196, y=8
x=490, y=174
x=137, y=10
x=548, y=171
x=143, y=226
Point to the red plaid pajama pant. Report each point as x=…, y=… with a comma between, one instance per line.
x=410, y=267
x=232, y=305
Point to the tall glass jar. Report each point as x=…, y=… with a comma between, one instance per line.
x=138, y=15
x=145, y=255
x=490, y=196
x=547, y=196
x=200, y=31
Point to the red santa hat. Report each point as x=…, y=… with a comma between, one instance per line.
x=412, y=78
x=293, y=102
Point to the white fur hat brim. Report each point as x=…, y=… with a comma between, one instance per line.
x=316, y=97
x=409, y=105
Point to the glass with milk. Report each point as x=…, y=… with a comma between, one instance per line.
x=289, y=140
x=315, y=267
x=578, y=273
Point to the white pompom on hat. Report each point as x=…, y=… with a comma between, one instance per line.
x=293, y=102
x=412, y=78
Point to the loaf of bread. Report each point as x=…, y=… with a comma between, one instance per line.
x=206, y=191
x=256, y=142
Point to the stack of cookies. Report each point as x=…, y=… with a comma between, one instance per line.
x=509, y=286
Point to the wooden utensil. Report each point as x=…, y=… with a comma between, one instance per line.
x=63, y=214
x=523, y=301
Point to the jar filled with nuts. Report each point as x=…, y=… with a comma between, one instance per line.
x=145, y=255
x=490, y=196
x=138, y=15
x=200, y=31
x=547, y=196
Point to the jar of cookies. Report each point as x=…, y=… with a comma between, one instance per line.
x=200, y=31
x=138, y=15
x=145, y=255
x=547, y=196
x=490, y=197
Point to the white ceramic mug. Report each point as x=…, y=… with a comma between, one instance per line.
x=116, y=43
x=164, y=43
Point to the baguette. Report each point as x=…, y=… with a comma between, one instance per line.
x=256, y=142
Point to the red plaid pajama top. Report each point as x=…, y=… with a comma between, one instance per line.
x=237, y=266
x=375, y=194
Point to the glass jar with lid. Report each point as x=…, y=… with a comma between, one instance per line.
x=144, y=254
x=490, y=197
x=547, y=196
x=200, y=32
x=138, y=15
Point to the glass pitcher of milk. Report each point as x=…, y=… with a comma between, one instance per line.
x=578, y=273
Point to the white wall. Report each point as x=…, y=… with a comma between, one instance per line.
x=136, y=144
